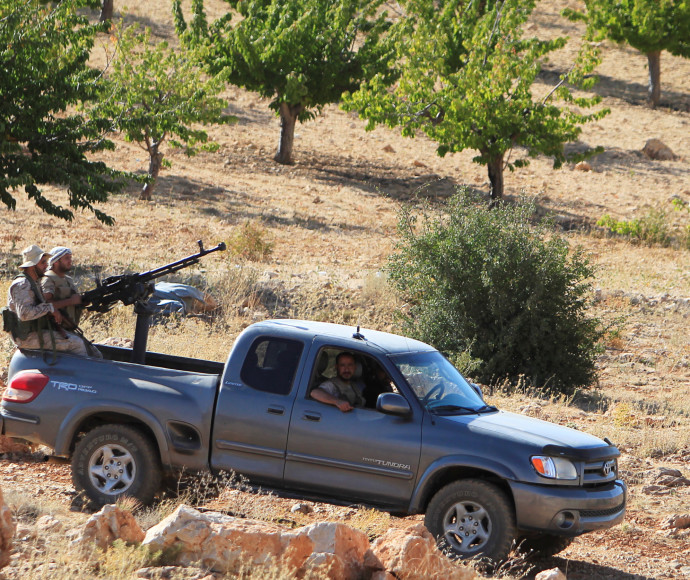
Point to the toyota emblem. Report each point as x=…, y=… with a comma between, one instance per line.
x=608, y=467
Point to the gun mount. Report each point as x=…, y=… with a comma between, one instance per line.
x=136, y=289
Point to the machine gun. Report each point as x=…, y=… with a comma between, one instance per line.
x=136, y=289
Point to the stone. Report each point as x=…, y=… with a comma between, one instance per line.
x=583, y=166
x=7, y=530
x=48, y=523
x=226, y=544
x=676, y=522
x=658, y=150
x=412, y=554
x=339, y=547
x=108, y=525
x=301, y=508
x=553, y=574
x=389, y=149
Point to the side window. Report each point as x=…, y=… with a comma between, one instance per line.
x=370, y=377
x=271, y=364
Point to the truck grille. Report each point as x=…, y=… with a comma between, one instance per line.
x=600, y=472
x=601, y=513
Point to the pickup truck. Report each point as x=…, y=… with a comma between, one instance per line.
x=426, y=442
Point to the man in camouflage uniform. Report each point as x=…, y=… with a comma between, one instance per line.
x=343, y=391
x=57, y=285
x=37, y=321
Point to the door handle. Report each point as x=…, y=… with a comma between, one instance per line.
x=276, y=410
x=311, y=416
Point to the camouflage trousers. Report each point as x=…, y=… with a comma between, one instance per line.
x=73, y=344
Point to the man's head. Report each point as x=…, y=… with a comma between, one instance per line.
x=60, y=260
x=35, y=261
x=345, y=365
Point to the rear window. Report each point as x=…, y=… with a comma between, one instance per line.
x=271, y=365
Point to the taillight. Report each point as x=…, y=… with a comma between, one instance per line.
x=25, y=386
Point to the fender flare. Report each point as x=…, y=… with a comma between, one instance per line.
x=471, y=462
x=77, y=415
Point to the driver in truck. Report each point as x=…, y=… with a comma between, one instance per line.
x=343, y=391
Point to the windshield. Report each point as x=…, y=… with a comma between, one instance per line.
x=438, y=384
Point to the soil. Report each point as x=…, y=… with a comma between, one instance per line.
x=331, y=218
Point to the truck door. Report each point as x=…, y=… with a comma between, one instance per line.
x=253, y=410
x=359, y=455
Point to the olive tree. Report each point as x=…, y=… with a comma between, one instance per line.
x=45, y=139
x=467, y=80
x=301, y=55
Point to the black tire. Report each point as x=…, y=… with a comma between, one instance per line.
x=471, y=518
x=543, y=545
x=112, y=461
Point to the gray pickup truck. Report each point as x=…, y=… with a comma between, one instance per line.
x=426, y=442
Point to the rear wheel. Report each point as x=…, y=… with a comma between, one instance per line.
x=472, y=518
x=112, y=461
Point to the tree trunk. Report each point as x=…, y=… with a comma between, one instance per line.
x=288, y=118
x=654, y=91
x=155, y=162
x=495, y=166
x=106, y=10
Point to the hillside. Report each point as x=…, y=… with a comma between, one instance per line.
x=330, y=219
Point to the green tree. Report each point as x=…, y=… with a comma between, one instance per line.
x=44, y=78
x=494, y=287
x=466, y=80
x=650, y=26
x=301, y=55
x=154, y=94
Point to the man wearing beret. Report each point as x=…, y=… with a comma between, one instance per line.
x=35, y=321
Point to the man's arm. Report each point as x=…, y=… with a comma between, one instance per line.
x=24, y=302
x=323, y=396
x=48, y=287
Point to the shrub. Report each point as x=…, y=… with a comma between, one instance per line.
x=250, y=243
x=652, y=229
x=490, y=285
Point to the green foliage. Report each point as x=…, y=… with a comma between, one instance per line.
x=647, y=25
x=155, y=93
x=650, y=26
x=301, y=55
x=44, y=77
x=466, y=74
x=250, y=243
x=490, y=285
x=654, y=228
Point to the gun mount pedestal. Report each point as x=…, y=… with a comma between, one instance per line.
x=141, y=331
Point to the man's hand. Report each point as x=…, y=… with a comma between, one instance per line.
x=57, y=316
x=344, y=406
x=75, y=299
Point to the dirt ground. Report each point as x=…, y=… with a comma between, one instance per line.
x=331, y=218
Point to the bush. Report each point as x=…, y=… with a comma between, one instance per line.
x=490, y=285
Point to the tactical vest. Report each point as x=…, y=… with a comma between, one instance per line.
x=65, y=288
x=20, y=329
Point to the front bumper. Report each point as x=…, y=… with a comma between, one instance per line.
x=568, y=511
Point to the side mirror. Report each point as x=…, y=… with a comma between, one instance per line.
x=393, y=404
x=478, y=390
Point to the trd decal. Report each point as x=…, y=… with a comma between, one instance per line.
x=60, y=386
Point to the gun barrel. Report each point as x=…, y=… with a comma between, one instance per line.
x=183, y=263
x=131, y=288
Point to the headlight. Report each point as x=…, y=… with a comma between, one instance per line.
x=554, y=467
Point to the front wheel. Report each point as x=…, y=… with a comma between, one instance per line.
x=472, y=518
x=112, y=461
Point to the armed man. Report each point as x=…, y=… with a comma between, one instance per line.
x=33, y=322
x=57, y=285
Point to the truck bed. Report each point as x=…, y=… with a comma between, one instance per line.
x=165, y=361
